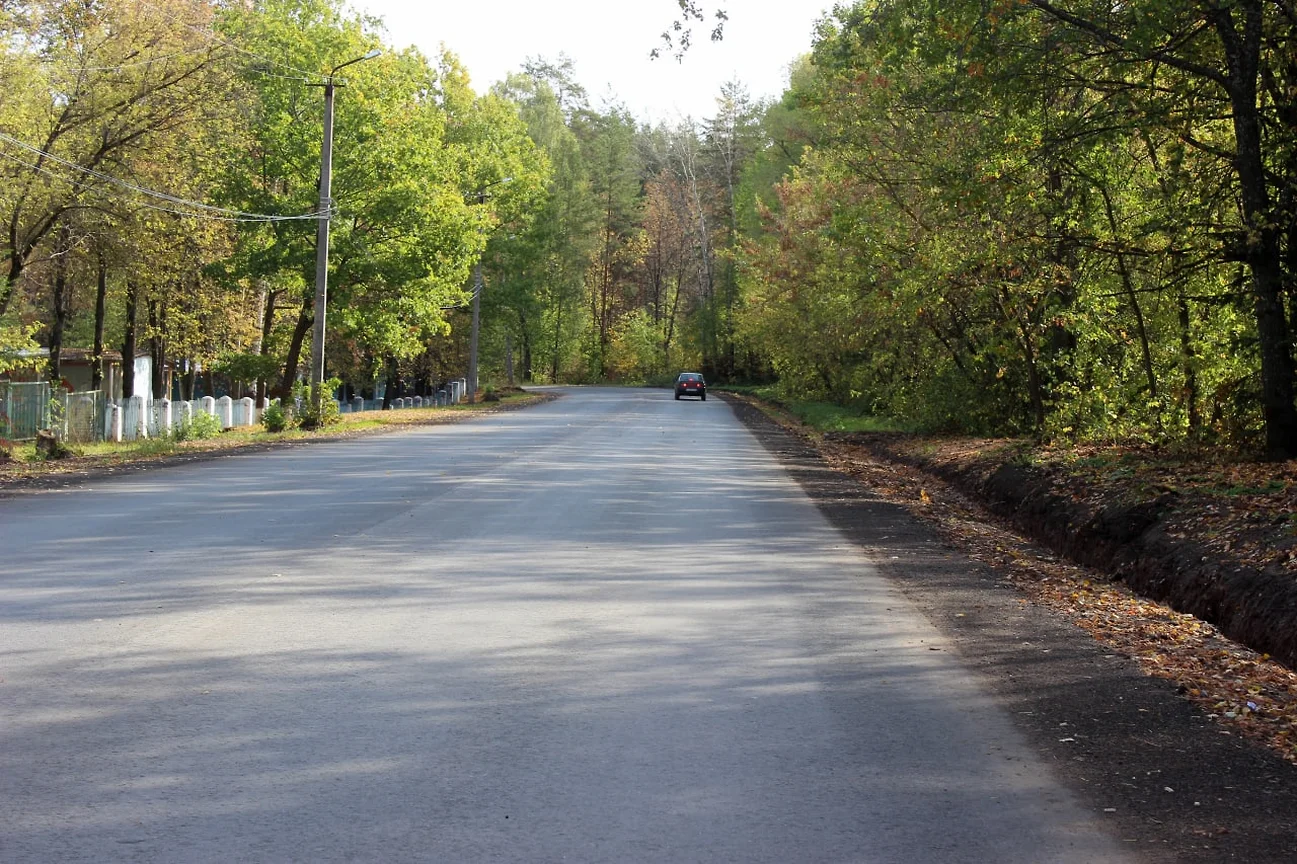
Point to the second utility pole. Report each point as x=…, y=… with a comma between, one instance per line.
x=322, y=252
x=472, y=337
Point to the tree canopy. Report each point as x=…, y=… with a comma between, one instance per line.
x=1064, y=219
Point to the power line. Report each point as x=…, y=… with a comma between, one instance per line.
x=185, y=213
x=207, y=211
x=471, y=296
x=153, y=193
x=148, y=62
x=307, y=78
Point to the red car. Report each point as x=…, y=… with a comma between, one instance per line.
x=691, y=384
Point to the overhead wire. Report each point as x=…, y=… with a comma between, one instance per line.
x=198, y=208
x=119, y=67
x=205, y=211
x=472, y=295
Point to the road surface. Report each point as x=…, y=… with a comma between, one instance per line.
x=608, y=628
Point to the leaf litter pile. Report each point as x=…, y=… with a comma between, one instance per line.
x=1245, y=509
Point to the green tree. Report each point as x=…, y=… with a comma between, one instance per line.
x=125, y=79
x=538, y=269
x=608, y=147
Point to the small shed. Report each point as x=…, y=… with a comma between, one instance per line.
x=76, y=370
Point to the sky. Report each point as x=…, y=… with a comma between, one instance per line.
x=609, y=42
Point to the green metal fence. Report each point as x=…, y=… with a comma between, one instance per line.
x=26, y=408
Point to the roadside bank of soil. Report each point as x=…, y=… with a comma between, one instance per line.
x=1147, y=722
x=1215, y=541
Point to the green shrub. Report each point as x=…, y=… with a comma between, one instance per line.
x=200, y=425
x=304, y=405
x=276, y=419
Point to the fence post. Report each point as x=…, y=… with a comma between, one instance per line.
x=101, y=414
x=114, y=431
x=139, y=416
x=225, y=411
x=163, y=407
x=209, y=406
x=44, y=407
x=357, y=404
x=249, y=411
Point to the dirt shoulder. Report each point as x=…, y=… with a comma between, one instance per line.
x=25, y=477
x=1141, y=710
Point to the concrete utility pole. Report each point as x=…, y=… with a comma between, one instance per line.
x=472, y=337
x=477, y=299
x=322, y=234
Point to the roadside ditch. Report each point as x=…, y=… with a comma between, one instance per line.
x=1101, y=681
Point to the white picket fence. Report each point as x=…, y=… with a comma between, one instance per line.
x=135, y=418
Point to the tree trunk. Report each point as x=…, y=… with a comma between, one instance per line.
x=1242, y=53
x=157, y=353
x=305, y=319
x=6, y=284
x=1189, y=391
x=558, y=335
x=1035, y=388
x=129, y=341
x=263, y=344
x=671, y=322
x=526, y=353
x=1128, y=284
x=390, y=381
x=263, y=298
x=1035, y=382
x=62, y=249
x=508, y=357
x=101, y=308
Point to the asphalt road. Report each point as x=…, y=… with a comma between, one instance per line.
x=608, y=628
